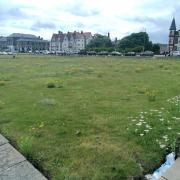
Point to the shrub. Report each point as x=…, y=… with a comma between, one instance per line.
x=161, y=66
x=51, y=85
x=2, y=83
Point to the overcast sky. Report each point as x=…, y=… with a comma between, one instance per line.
x=119, y=17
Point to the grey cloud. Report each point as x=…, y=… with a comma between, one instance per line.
x=11, y=14
x=79, y=9
x=158, y=22
x=159, y=37
x=158, y=28
x=8, y=10
x=42, y=25
x=80, y=25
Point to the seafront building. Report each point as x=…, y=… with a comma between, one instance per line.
x=70, y=42
x=23, y=43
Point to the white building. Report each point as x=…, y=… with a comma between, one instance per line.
x=71, y=42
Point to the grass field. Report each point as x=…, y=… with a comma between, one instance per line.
x=91, y=117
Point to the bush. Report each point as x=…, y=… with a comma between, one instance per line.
x=51, y=85
x=161, y=66
x=2, y=83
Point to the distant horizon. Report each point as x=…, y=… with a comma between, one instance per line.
x=116, y=16
x=71, y=32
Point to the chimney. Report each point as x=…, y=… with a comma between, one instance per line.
x=39, y=37
x=108, y=35
x=81, y=32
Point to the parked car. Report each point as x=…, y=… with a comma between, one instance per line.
x=175, y=53
x=4, y=53
x=115, y=53
x=91, y=53
x=82, y=52
x=103, y=53
x=147, y=53
x=130, y=54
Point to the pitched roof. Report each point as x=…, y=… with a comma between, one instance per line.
x=31, y=40
x=3, y=39
x=71, y=35
x=87, y=34
x=173, y=25
x=19, y=35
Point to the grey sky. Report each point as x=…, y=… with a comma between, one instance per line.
x=118, y=17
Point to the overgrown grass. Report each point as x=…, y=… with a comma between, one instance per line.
x=85, y=127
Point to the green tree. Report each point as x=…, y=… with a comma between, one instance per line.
x=99, y=42
x=156, y=49
x=136, y=41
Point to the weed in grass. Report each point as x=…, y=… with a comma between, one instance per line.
x=142, y=90
x=78, y=133
x=36, y=130
x=51, y=85
x=60, y=86
x=2, y=83
x=1, y=105
x=161, y=66
x=174, y=104
x=100, y=75
x=126, y=98
x=25, y=145
x=151, y=95
x=138, y=70
x=166, y=68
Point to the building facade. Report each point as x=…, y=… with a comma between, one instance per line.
x=174, y=38
x=3, y=43
x=23, y=43
x=71, y=42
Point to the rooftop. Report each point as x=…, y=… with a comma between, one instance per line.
x=19, y=35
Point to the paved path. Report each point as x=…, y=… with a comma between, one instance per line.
x=173, y=173
x=14, y=166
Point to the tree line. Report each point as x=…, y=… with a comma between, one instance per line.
x=136, y=42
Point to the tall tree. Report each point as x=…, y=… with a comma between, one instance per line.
x=136, y=41
x=156, y=49
x=100, y=41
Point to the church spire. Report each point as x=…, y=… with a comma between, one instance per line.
x=173, y=25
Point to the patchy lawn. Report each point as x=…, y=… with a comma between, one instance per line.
x=91, y=117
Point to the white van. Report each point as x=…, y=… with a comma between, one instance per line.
x=175, y=53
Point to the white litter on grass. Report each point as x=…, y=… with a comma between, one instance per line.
x=170, y=159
